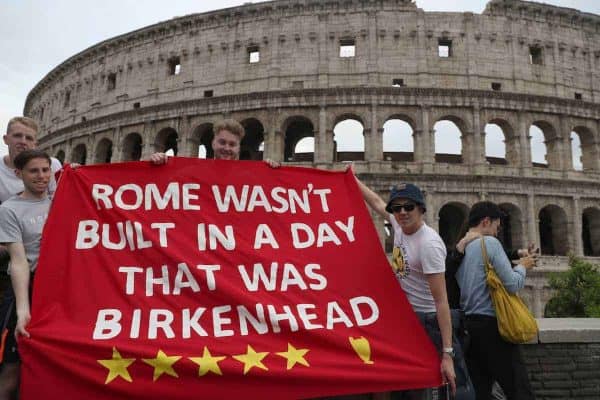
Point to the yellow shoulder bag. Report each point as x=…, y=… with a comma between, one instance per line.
x=515, y=322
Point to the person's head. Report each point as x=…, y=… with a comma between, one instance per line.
x=407, y=204
x=485, y=217
x=33, y=167
x=228, y=135
x=21, y=134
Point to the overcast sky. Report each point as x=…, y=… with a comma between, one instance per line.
x=37, y=35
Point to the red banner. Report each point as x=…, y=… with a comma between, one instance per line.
x=216, y=279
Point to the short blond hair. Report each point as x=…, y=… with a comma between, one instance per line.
x=230, y=125
x=28, y=122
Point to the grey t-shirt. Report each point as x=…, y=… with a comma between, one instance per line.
x=11, y=184
x=22, y=221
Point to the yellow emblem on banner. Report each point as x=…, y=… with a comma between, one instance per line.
x=362, y=347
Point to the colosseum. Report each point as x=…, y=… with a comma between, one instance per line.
x=292, y=71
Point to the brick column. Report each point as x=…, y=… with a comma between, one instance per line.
x=532, y=222
x=321, y=152
x=478, y=142
x=148, y=140
x=525, y=142
x=374, y=142
x=183, y=140
x=566, y=144
x=427, y=145
x=577, y=227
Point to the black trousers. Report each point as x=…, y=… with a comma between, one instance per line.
x=490, y=358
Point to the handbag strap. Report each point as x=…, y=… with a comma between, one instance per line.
x=486, y=260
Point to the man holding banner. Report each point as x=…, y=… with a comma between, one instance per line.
x=226, y=143
x=419, y=263
x=22, y=219
x=21, y=135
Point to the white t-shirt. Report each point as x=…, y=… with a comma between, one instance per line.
x=11, y=184
x=423, y=253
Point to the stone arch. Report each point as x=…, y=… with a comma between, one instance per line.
x=201, y=138
x=511, y=231
x=554, y=231
x=590, y=232
x=500, y=129
x=166, y=141
x=349, y=138
x=132, y=147
x=452, y=217
x=550, y=145
x=104, y=151
x=589, y=150
x=79, y=154
x=398, y=138
x=450, y=139
x=296, y=128
x=60, y=156
x=254, y=138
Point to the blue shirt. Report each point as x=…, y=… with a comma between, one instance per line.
x=471, y=278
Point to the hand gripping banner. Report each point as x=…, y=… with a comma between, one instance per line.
x=217, y=280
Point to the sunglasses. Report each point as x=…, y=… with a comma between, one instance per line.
x=408, y=207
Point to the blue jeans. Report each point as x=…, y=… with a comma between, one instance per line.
x=464, y=387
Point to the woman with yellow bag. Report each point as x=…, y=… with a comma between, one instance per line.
x=490, y=356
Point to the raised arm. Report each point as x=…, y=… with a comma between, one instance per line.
x=373, y=200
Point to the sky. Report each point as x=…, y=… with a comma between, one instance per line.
x=38, y=35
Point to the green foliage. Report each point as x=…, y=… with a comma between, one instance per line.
x=577, y=291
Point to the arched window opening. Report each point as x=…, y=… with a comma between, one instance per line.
x=349, y=140
x=398, y=141
x=451, y=219
x=304, y=149
x=545, y=145
x=588, y=153
x=104, y=151
x=539, y=152
x=79, y=154
x=389, y=237
x=297, y=129
x=202, y=151
x=132, y=147
x=60, y=156
x=495, y=145
x=511, y=229
x=448, y=142
x=202, y=141
x=553, y=231
x=167, y=140
x=255, y=135
x=576, y=153
x=590, y=232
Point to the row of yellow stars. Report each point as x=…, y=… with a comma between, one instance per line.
x=163, y=364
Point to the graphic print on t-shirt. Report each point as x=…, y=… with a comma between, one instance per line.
x=400, y=263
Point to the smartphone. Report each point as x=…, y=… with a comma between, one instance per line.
x=445, y=392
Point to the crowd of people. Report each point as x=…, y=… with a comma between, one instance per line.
x=446, y=287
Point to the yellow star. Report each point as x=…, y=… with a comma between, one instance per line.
x=294, y=356
x=162, y=364
x=117, y=366
x=252, y=359
x=208, y=363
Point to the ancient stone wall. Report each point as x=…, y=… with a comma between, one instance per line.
x=291, y=70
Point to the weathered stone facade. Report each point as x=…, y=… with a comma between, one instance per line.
x=278, y=68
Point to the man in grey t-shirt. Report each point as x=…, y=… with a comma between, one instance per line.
x=22, y=219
